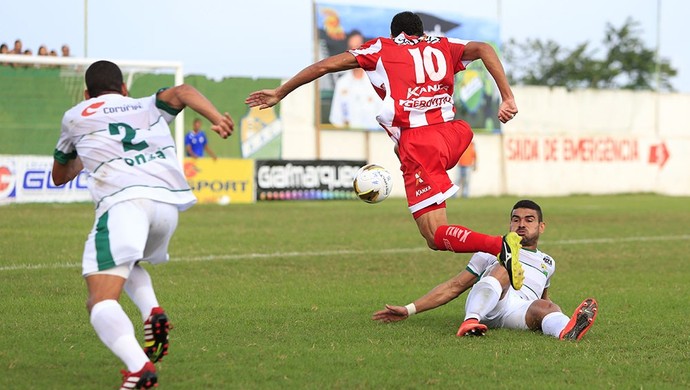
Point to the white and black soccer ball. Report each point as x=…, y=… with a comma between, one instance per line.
x=373, y=183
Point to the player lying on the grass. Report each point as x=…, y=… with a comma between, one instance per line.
x=493, y=303
x=136, y=181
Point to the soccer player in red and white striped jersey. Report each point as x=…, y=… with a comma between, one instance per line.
x=414, y=75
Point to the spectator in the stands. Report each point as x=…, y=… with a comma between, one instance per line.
x=4, y=49
x=17, y=47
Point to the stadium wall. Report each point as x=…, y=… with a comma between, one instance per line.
x=565, y=142
x=561, y=142
x=33, y=100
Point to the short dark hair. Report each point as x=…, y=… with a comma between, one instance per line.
x=103, y=76
x=355, y=32
x=528, y=204
x=408, y=22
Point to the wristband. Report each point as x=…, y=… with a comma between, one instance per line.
x=411, y=309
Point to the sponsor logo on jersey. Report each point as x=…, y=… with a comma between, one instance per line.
x=548, y=260
x=426, y=103
x=418, y=178
x=419, y=91
x=125, y=108
x=92, y=109
x=422, y=191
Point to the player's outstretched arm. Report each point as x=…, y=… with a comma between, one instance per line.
x=391, y=314
x=270, y=97
x=481, y=50
x=438, y=296
x=185, y=95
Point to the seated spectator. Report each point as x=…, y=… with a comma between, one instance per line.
x=4, y=49
x=43, y=52
x=27, y=52
x=65, y=50
x=17, y=47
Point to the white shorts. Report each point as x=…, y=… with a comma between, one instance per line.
x=509, y=313
x=130, y=231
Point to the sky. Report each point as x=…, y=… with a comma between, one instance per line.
x=273, y=38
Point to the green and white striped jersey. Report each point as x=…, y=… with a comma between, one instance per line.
x=539, y=268
x=127, y=149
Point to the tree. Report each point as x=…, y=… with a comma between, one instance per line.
x=627, y=64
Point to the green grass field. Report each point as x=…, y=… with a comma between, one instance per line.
x=280, y=295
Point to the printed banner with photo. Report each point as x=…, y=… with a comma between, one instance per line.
x=261, y=134
x=348, y=101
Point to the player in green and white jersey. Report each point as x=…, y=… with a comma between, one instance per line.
x=138, y=186
x=493, y=303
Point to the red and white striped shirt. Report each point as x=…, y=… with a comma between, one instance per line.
x=414, y=76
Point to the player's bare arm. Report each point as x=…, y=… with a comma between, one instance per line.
x=270, y=97
x=185, y=95
x=63, y=173
x=438, y=296
x=481, y=50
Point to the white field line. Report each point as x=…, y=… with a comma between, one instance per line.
x=343, y=252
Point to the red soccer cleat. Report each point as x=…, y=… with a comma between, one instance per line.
x=471, y=327
x=581, y=321
x=145, y=378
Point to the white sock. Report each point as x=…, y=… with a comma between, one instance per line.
x=554, y=323
x=483, y=298
x=139, y=288
x=117, y=333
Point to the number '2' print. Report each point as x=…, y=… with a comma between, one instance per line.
x=130, y=133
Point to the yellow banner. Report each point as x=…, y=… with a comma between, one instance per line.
x=223, y=181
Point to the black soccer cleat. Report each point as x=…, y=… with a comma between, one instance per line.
x=156, y=329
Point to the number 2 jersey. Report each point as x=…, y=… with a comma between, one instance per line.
x=127, y=150
x=414, y=76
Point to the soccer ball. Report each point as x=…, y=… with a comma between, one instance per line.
x=373, y=183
